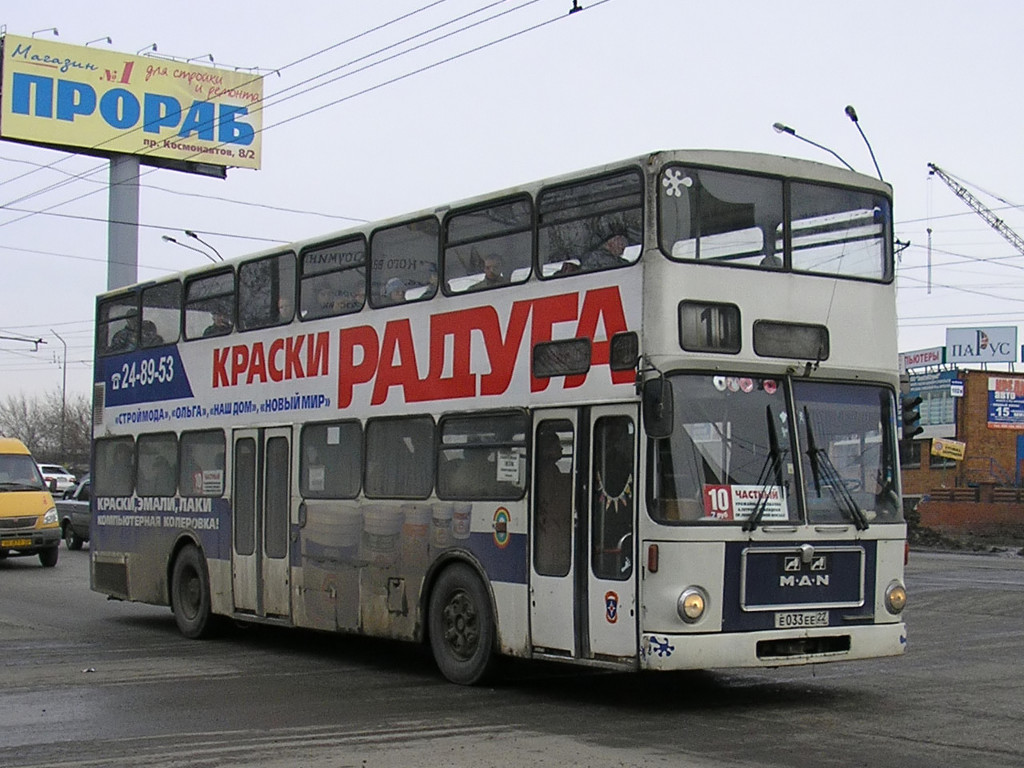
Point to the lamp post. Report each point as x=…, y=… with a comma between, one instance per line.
x=194, y=236
x=169, y=239
x=852, y=114
x=783, y=128
x=63, y=399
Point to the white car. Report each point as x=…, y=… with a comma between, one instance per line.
x=56, y=472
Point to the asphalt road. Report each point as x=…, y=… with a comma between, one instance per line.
x=87, y=682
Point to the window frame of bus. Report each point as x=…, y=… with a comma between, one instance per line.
x=190, y=302
x=309, y=306
x=354, y=442
x=102, y=465
x=377, y=287
x=787, y=224
x=140, y=445
x=129, y=300
x=246, y=301
x=375, y=489
x=160, y=338
x=510, y=235
x=444, y=488
x=729, y=260
x=886, y=238
x=183, y=439
x=604, y=230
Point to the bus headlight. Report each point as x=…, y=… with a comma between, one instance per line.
x=895, y=598
x=692, y=604
x=50, y=518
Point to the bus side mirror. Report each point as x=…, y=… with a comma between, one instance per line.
x=657, y=407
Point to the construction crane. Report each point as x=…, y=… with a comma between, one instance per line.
x=994, y=221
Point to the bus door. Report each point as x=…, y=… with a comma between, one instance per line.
x=261, y=491
x=611, y=578
x=583, y=584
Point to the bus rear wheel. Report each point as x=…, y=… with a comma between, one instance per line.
x=461, y=625
x=190, y=594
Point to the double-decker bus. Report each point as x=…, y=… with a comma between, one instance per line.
x=639, y=417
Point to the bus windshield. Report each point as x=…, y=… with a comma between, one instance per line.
x=731, y=456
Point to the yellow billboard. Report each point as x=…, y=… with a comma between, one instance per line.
x=103, y=102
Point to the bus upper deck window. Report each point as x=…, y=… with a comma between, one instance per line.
x=210, y=305
x=117, y=327
x=723, y=217
x=488, y=247
x=333, y=280
x=266, y=292
x=590, y=226
x=403, y=263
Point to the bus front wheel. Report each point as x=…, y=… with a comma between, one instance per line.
x=190, y=593
x=461, y=625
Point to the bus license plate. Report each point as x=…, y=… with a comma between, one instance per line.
x=15, y=543
x=801, y=619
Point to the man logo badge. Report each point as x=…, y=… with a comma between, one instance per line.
x=791, y=565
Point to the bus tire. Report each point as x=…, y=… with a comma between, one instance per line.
x=190, y=594
x=461, y=625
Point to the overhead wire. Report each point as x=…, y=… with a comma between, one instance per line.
x=85, y=176
x=337, y=101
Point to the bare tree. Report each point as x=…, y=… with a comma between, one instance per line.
x=36, y=421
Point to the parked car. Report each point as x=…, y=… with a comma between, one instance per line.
x=56, y=473
x=75, y=513
x=28, y=517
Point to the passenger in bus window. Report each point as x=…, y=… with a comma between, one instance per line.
x=150, y=336
x=394, y=291
x=608, y=254
x=493, y=275
x=127, y=337
x=221, y=324
x=285, y=309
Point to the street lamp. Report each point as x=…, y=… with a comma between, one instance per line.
x=783, y=128
x=100, y=40
x=193, y=235
x=48, y=29
x=852, y=114
x=169, y=239
x=63, y=399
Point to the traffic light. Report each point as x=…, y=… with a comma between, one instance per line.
x=910, y=405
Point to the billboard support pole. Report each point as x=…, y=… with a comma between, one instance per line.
x=123, y=222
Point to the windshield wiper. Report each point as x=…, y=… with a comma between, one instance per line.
x=822, y=466
x=16, y=486
x=772, y=468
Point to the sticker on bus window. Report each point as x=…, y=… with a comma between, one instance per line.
x=212, y=482
x=508, y=467
x=333, y=435
x=317, y=478
x=738, y=502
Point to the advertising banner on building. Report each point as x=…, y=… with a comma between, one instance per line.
x=920, y=358
x=1005, y=403
x=981, y=345
x=74, y=97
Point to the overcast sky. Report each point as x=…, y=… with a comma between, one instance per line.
x=929, y=80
